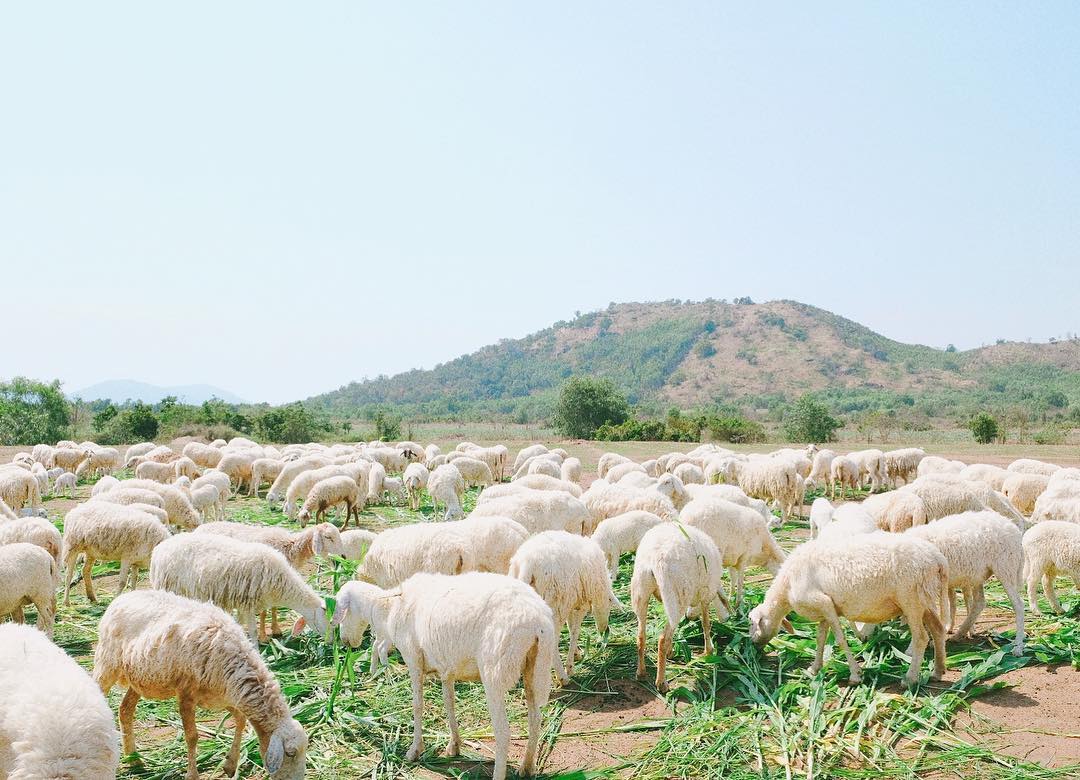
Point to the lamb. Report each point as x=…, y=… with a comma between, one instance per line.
x=869, y=578
x=821, y=468
x=160, y=645
x=19, y=488
x=221, y=481
x=101, y=531
x=499, y=631
x=474, y=472
x=203, y=455
x=158, y=472
x=108, y=482
x=770, y=479
x=740, y=535
x=845, y=473
x=604, y=501
x=540, y=510
x=1023, y=490
x=181, y=513
x=185, y=467
x=570, y=574
x=621, y=534
x=390, y=459
x=34, y=530
x=290, y=472
x=28, y=575
x=206, y=500
x=247, y=577
x=394, y=490
x=821, y=514
x=570, y=470
x=1051, y=548
x=446, y=486
x=331, y=492
x=994, y=476
x=356, y=543
x=681, y=567
x=65, y=483
x=415, y=480
x=1031, y=466
x=978, y=545
x=42, y=477
x=54, y=723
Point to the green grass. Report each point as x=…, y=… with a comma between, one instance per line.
x=740, y=713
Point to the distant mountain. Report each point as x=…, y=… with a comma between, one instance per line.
x=693, y=354
x=120, y=390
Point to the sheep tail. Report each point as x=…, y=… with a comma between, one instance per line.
x=540, y=662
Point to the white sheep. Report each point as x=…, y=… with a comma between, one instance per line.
x=446, y=486
x=570, y=470
x=181, y=513
x=821, y=514
x=35, y=530
x=19, y=488
x=206, y=500
x=160, y=645
x=101, y=531
x=362, y=473
x=681, y=567
x=54, y=723
x=608, y=461
x=1031, y=466
x=622, y=534
x=238, y=464
x=821, y=469
x=474, y=472
x=978, y=545
x=106, y=483
x=1023, y=490
x=604, y=501
x=129, y=495
x=847, y=520
x=871, y=465
x=64, y=484
x=933, y=464
x=415, y=479
x=540, y=510
x=203, y=455
x=869, y=578
x=570, y=574
x=689, y=473
x=246, y=577
x=530, y=482
x=290, y=472
x=158, y=472
x=843, y=471
x=376, y=477
x=356, y=543
x=526, y=453
x=499, y=631
x=137, y=451
x=102, y=460
x=28, y=575
x=771, y=479
x=328, y=493
x=394, y=490
x=994, y=476
x=902, y=465
x=735, y=495
x=264, y=470
x=619, y=471
x=1051, y=548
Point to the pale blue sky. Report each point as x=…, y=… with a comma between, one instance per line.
x=278, y=198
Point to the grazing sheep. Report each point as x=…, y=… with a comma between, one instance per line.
x=356, y=543
x=932, y=464
x=570, y=470
x=1031, y=466
x=528, y=452
x=608, y=461
x=158, y=472
x=328, y=493
x=28, y=575
x=1060, y=500
x=68, y=459
x=689, y=473
x=137, y=451
x=871, y=465
x=19, y=488
x=238, y=465
x=530, y=482
x=821, y=469
x=901, y=466
x=101, y=531
x=771, y=479
x=446, y=486
x=740, y=535
x=617, y=473
x=128, y=495
x=499, y=631
x=994, y=476
x=431, y=451
x=540, y=510
x=65, y=483
x=868, y=578
x=247, y=577
x=1051, y=548
x=159, y=645
x=821, y=514
x=263, y=470
x=622, y=534
x=106, y=483
x=473, y=471
x=362, y=473
x=735, y=495
x=1023, y=490
x=376, y=477
x=394, y=490
x=570, y=574
x=843, y=471
x=43, y=453
x=206, y=500
x=681, y=567
x=604, y=501
x=35, y=530
x=175, y=501
x=203, y=455
x=55, y=723
x=978, y=545
x=291, y=471
x=414, y=480
x=947, y=494
x=102, y=460
x=848, y=520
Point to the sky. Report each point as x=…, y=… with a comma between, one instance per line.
x=278, y=199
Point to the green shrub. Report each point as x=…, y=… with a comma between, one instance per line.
x=808, y=420
x=585, y=404
x=984, y=428
x=1054, y=434
x=387, y=426
x=734, y=429
x=32, y=412
x=129, y=425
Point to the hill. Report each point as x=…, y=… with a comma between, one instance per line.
x=119, y=390
x=698, y=354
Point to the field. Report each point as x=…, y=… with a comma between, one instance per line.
x=740, y=713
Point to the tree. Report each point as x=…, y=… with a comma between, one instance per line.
x=808, y=420
x=32, y=412
x=291, y=424
x=104, y=417
x=585, y=404
x=387, y=426
x=984, y=428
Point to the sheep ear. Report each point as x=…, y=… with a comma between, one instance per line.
x=341, y=611
x=317, y=543
x=275, y=754
x=298, y=627
x=786, y=625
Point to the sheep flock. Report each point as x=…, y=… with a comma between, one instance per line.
x=216, y=576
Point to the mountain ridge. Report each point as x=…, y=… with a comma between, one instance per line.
x=119, y=390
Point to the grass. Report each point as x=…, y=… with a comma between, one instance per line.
x=740, y=713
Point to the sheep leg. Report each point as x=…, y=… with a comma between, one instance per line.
x=416, y=675
x=275, y=629
x=819, y=655
x=975, y=605
x=500, y=726
x=1013, y=590
x=69, y=575
x=263, y=636
x=663, y=647
x=528, y=761
x=1051, y=594
x=125, y=570
x=1032, y=591
x=233, y=758
x=738, y=583
x=191, y=735
x=706, y=629
x=950, y=616
x=88, y=581
x=453, y=748
x=827, y=610
x=932, y=623
x=17, y=615
x=127, y=719
x=917, y=648
x=640, y=645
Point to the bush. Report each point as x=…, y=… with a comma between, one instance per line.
x=808, y=420
x=1054, y=434
x=133, y=424
x=631, y=430
x=387, y=426
x=32, y=412
x=984, y=428
x=705, y=350
x=586, y=404
x=734, y=429
x=291, y=424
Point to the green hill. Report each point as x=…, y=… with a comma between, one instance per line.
x=710, y=353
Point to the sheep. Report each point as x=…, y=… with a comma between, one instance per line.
x=901, y=465
x=446, y=486
x=531, y=466
x=65, y=483
x=994, y=476
x=299, y=488
x=101, y=531
x=430, y=452
x=570, y=470
x=866, y=577
x=217, y=479
x=290, y=472
x=499, y=631
x=411, y=450
x=390, y=459
x=108, y=482
x=42, y=453
x=474, y=472
x=68, y=459
x=203, y=455
x=102, y=460
x=238, y=465
x=328, y=493
x=932, y=464
x=394, y=490
x=843, y=471
x=414, y=481
x=435, y=461
x=540, y=510
x=494, y=457
x=247, y=577
x=848, y=520
x=680, y=566
x=528, y=452
x=770, y=479
x=137, y=451
x=356, y=543
x=158, y=472
x=34, y=530
x=181, y=513
x=1060, y=500
x=19, y=488
x=688, y=473
x=159, y=645
x=871, y=466
x=735, y=495
x=947, y=494
x=1023, y=490
x=978, y=545
x=821, y=468
x=604, y=501
x=42, y=477
x=821, y=514
x=740, y=535
x=55, y=723
x=185, y=467
x=1051, y=548
x=28, y=575
x=608, y=461
x=128, y=495
x=1031, y=466
x=532, y=482
x=723, y=468
x=616, y=473
x=7, y=512
x=376, y=477
x=570, y=574
x=206, y=500
x=621, y=534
